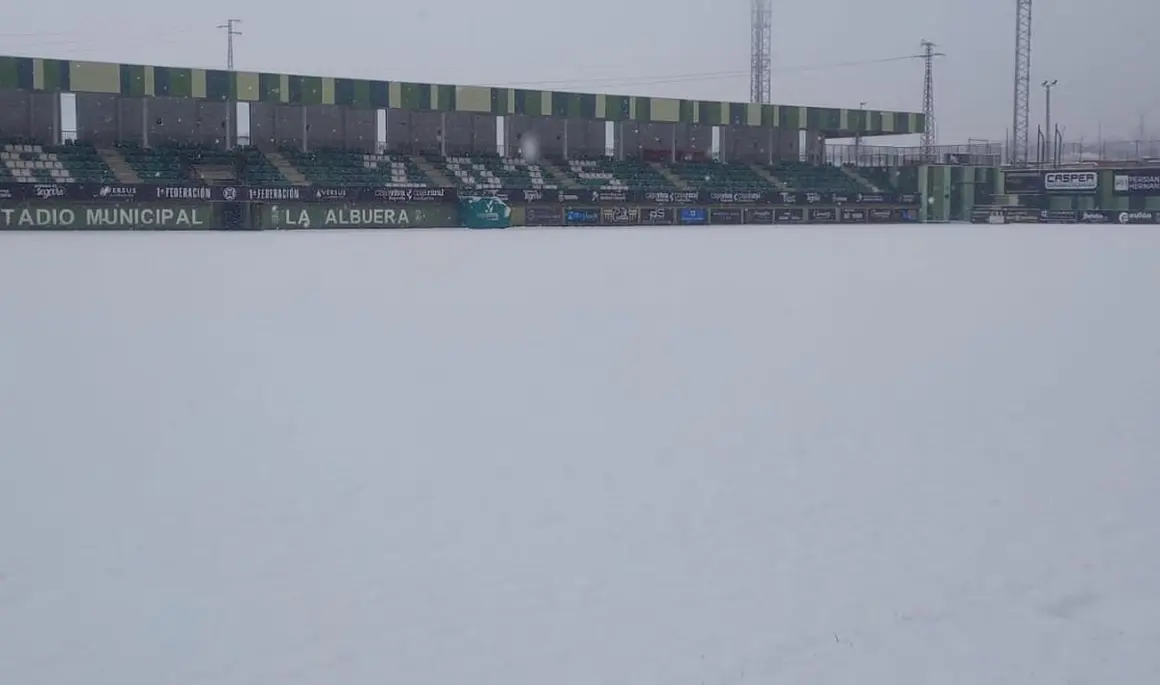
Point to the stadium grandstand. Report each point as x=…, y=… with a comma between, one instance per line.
x=65, y=121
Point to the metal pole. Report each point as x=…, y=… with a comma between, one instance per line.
x=760, y=41
x=858, y=136
x=232, y=105
x=1020, y=124
x=1047, y=86
x=928, y=132
x=230, y=33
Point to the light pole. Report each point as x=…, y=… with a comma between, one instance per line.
x=1047, y=86
x=858, y=135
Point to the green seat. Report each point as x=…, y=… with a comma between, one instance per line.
x=823, y=178
x=719, y=176
x=29, y=162
x=492, y=172
x=351, y=168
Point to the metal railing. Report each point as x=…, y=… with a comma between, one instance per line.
x=1047, y=153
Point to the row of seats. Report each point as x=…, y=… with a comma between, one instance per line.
x=81, y=163
x=33, y=163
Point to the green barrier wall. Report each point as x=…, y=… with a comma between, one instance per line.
x=314, y=216
x=949, y=192
x=135, y=215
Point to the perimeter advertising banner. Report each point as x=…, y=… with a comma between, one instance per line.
x=1035, y=182
x=135, y=216
x=1023, y=215
x=312, y=216
x=1136, y=182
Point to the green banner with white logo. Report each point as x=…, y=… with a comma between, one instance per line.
x=116, y=216
x=316, y=216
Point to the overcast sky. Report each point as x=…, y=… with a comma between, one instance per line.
x=1102, y=53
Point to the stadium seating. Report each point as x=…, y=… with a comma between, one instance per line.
x=195, y=164
x=902, y=179
x=717, y=175
x=30, y=162
x=34, y=163
x=490, y=172
x=343, y=167
x=610, y=174
x=822, y=178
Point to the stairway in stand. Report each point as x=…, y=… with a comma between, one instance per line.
x=859, y=179
x=668, y=175
x=562, y=177
x=290, y=172
x=767, y=175
x=437, y=177
x=120, y=168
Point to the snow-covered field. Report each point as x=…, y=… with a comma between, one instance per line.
x=827, y=456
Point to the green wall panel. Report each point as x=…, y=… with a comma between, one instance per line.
x=380, y=94
x=269, y=87
x=220, y=86
x=643, y=109
x=447, y=98
x=133, y=80
x=53, y=75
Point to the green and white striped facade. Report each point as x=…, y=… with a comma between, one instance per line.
x=403, y=100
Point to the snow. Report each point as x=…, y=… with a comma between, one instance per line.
x=761, y=455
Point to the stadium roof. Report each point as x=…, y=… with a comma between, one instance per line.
x=136, y=80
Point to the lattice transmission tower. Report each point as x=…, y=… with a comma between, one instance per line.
x=760, y=48
x=929, y=135
x=1021, y=116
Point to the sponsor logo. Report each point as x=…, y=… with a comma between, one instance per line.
x=789, y=216
x=788, y=198
x=425, y=194
x=1093, y=217
x=1130, y=183
x=823, y=215
x=620, y=215
x=750, y=198
x=609, y=196
x=543, y=216
x=666, y=197
x=693, y=215
x=229, y=193
x=5, y=194
x=182, y=193
x=869, y=198
x=853, y=215
x=759, y=216
x=391, y=194
x=1136, y=217
x=280, y=194
x=730, y=216
x=1071, y=180
x=841, y=199
x=1057, y=216
x=659, y=216
x=569, y=197
x=997, y=218
x=330, y=193
x=582, y=216
x=533, y=196
x=813, y=198
x=1022, y=216
x=117, y=192
x=47, y=192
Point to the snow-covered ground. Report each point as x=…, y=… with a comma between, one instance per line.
x=828, y=456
